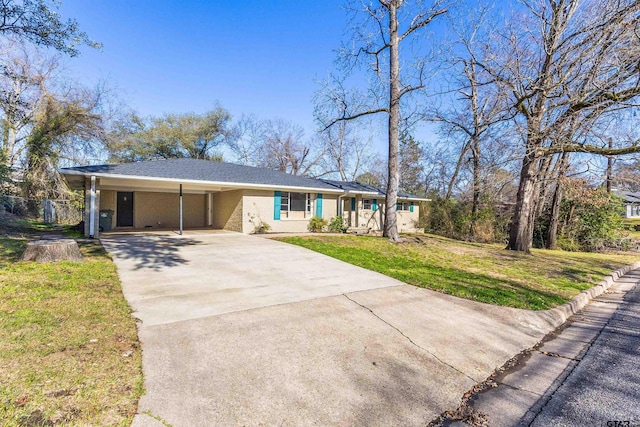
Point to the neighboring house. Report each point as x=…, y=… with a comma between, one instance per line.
x=631, y=202
x=191, y=193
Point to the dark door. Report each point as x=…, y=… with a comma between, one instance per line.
x=125, y=209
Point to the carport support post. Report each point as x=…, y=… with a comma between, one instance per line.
x=181, y=209
x=92, y=208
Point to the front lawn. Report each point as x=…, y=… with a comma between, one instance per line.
x=69, y=353
x=481, y=272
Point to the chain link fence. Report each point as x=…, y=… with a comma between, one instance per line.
x=49, y=211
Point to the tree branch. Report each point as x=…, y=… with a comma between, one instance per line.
x=420, y=21
x=355, y=116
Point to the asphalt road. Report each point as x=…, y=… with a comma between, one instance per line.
x=603, y=389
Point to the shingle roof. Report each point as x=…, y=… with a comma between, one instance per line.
x=629, y=196
x=358, y=187
x=354, y=186
x=201, y=170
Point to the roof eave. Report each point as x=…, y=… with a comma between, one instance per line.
x=200, y=182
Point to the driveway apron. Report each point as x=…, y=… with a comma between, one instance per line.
x=241, y=330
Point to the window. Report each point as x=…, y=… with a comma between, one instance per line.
x=295, y=205
x=366, y=204
x=402, y=206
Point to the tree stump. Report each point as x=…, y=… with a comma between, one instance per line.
x=52, y=250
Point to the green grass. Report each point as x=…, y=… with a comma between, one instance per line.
x=480, y=272
x=69, y=353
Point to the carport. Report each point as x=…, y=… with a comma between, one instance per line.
x=145, y=203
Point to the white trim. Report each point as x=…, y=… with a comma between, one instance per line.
x=218, y=183
x=92, y=208
x=372, y=193
x=309, y=206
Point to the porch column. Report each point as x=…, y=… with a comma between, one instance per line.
x=91, y=206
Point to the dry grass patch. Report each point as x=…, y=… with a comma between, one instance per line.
x=481, y=272
x=69, y=353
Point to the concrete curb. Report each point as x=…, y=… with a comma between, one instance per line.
x=557, y=316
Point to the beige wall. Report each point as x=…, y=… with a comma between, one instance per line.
x=258, y=207
x=243, y=210
x=108, y=202
x=407, y=221
x=162, y=210
x=227, y=210
x=367, y=218
x=363, y=218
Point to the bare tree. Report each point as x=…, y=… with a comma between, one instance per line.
x=560, y=62
x=246, y=140
x=278, y=144
x=25, y=77
x=284, y=148
x=349, y=151
x=62, y=127
x=477, y=106
x=377, y=41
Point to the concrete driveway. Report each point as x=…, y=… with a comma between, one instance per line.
x=242, y=330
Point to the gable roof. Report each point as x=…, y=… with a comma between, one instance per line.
x=204, y=171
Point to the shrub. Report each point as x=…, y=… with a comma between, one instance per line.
x=452, y=218
x=337, y=225
x=317, y=224
x=590, y=220
x=259, y=226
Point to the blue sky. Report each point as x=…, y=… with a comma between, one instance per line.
x=251, y=56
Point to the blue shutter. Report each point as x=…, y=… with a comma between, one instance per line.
x=374, y=205
x=411, y=207
x=353, y=203
x=319, y=205
x=277, y=204
x=397, y=206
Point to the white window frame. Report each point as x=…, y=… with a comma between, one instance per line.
x=285, y=204
x=366, y=202
x=403, y=206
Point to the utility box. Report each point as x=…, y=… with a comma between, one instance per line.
x=106, y=220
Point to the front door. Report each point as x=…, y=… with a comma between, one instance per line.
x=125, y=209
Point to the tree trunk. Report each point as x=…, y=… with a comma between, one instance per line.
x=543, y=177
x=609, y=168
x=456, y=171
x=52, y=251
x=521, y=233
x=554, y=221
x=552, y=236
x=391, y=218
x=475, y=152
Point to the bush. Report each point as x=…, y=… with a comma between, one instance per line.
x=337, y=225
x=590, y=220
x=317, y=224
x=451, y=218
x=259, y=226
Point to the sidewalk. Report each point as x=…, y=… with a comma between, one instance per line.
x=585, y=373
